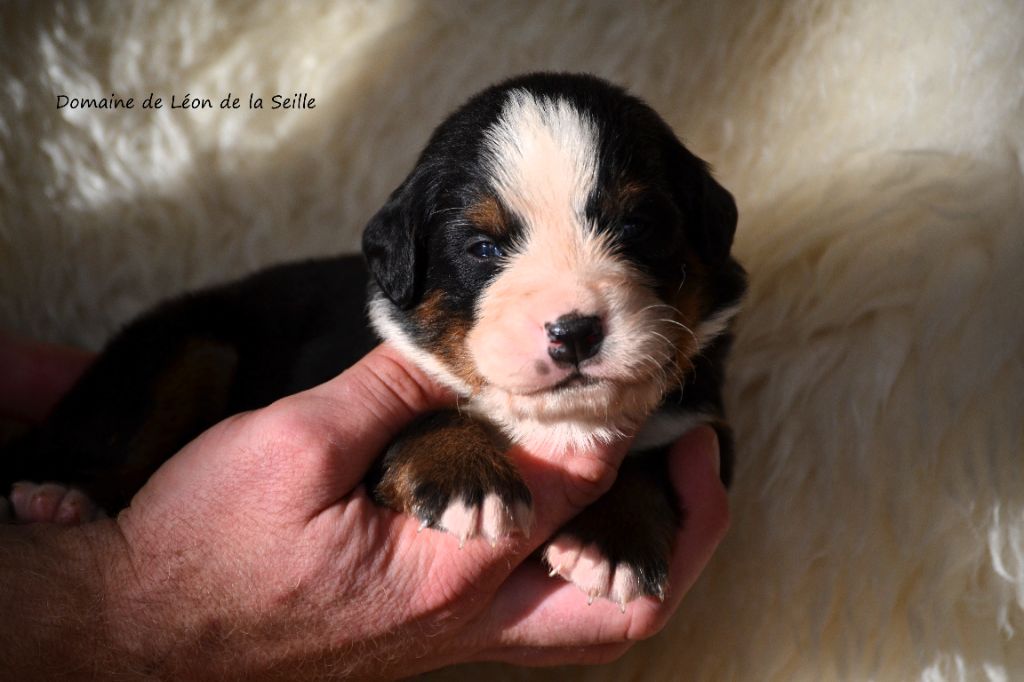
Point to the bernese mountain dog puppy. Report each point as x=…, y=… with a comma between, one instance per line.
x=556, y=257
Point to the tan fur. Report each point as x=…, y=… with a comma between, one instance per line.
x=488, y=216
x=451, y=346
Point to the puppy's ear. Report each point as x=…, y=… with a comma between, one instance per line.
x=718, y=216
x=709, y=208
x=393, y=243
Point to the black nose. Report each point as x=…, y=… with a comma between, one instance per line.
x=574, y=338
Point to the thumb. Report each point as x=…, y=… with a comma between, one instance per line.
x=360, y=411
x=305, y=451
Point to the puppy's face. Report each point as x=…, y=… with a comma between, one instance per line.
x=554, y=255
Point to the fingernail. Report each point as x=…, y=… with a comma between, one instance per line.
x=705, y=440
x=716, y=455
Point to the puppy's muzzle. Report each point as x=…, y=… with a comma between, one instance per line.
x=574, y=338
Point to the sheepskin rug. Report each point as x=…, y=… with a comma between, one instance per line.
x=875, y=150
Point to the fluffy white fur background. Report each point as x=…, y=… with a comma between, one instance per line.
x=875, y=149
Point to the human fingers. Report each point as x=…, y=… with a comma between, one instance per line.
x=335, y=431
x=543, y=656
x=564, y=482
x=695, y=471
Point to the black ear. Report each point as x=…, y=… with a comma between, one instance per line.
x=393, y=243
x=709, y=208
x=718, y=216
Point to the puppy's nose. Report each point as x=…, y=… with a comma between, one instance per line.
x=574, y=338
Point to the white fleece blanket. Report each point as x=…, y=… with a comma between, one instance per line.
x=875, y=150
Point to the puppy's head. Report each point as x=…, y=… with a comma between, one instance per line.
x=557, y=256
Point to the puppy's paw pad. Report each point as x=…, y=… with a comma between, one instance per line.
x=597, y=575
x=51, y=503
x=493, y=518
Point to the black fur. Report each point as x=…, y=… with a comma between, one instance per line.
x=189, y=363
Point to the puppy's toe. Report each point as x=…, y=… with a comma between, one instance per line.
x=51, y=503
x=493, y=519
x=496, y=516
x=76, y=507
x=498, y=519
x=600, y=576
x=35, y=503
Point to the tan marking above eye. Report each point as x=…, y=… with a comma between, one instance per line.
x=488, y=216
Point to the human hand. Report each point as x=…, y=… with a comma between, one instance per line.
x=256, y=551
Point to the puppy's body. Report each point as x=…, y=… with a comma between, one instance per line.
x=189, y=363
x=556, y=257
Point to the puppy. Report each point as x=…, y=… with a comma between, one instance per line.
x=556, y=257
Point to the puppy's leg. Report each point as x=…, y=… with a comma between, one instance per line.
x=134, y=408
x=451, y=472
x=619, y=547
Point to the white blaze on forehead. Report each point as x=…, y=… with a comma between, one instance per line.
x=543, y=160
x=542, y=155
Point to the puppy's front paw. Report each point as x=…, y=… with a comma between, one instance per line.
x=450, y=471
x=619, y=548
x=51, y=503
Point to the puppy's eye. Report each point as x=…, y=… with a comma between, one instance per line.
x=635, y=228
x=484, y=249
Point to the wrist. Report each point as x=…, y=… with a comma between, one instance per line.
x=168, y=616
x=153, y=620
x=77, y=607
x=55, y=598
x=128, y=612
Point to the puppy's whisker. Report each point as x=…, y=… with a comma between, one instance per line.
x=653, y=306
